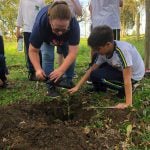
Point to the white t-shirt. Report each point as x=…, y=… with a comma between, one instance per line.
x=71, y=5
x=27, y=12
x=106, y=12
x=125, y=55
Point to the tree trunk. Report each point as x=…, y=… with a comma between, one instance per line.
x=85, y=28
x=123, y=28
x=137, y=25
x=147, y=35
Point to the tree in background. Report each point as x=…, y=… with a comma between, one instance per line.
x=48, y=1
x=139, y=7
x=147, y=37
x=128, y=13
x=8, y=15
x=130, y=16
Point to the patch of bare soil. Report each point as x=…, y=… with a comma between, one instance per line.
x=54, y=126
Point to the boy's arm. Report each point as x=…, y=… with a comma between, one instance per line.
x=83, y=79
x=127, y=74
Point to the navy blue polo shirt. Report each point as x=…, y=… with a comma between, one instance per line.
x=42, y=31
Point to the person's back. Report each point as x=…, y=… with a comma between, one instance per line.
x=106, y=12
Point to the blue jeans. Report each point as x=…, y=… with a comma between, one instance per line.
x=48, y=59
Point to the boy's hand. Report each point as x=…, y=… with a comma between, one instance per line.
x=122, y=105
x=73, y=90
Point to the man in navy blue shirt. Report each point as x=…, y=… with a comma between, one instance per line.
x=54, y=26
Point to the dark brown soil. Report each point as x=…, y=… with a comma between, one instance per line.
x=52, y=126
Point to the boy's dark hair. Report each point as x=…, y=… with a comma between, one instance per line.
x=100, y=36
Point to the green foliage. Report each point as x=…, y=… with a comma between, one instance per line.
x=8, y=15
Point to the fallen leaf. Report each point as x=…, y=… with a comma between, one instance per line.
x=129, y=130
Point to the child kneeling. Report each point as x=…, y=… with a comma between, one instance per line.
x=118, y=65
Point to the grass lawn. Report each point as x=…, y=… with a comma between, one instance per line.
x=134, y=132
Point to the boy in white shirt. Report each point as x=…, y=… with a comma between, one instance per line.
x=27, y=12
x=118, y=66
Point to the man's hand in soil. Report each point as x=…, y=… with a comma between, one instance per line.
x=56, y=74
x=122, y=106
x=40, y=74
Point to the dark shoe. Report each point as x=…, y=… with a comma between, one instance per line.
x=32, y=77
x=52, y=92
x=66, y=84
x=89, y=82
x=121, y=94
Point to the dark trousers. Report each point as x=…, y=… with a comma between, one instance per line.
x=2, y=57
x=2, y=68
x=116, y=33
x=26, y=44
x=107, y=77
x=1, y=45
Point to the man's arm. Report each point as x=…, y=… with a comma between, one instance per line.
x=83, y=79
x=72, y=54
x=35, y=60
x=127, y=74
